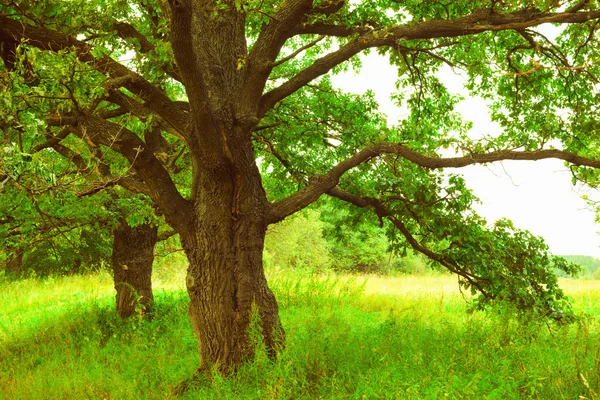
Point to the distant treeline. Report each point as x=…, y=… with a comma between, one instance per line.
x=590, y=266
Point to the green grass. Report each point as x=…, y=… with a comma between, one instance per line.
x=347, y=338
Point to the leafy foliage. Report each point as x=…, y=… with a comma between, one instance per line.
x=357, y=243
x=141, y=95
x=298, y=243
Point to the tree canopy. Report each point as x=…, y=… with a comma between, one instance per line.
x=222, y=112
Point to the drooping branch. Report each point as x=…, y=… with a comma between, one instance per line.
x=477, y=22
x=321, y=184
x=128, y=182
x=383, y=213
x=502, y=263
x=118, y=138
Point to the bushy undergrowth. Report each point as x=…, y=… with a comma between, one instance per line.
x=305, y=242
x=347, y=337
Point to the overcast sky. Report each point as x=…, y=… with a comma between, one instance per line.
x=535, y=195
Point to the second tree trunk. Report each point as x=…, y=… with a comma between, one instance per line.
x=132, y=258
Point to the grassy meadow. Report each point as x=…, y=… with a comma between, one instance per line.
x=348, y=337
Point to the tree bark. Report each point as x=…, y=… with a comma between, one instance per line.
x=224, y=245
x=132, y=258
x=14, y=265
x=228, y=289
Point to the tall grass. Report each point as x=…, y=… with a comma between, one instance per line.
x=347, y=338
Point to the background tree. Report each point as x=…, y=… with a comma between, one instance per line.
x=49, y=228
x=357, y=243
x=230, y=81
x=48, y=205
x=43, y=225
x=51, y=223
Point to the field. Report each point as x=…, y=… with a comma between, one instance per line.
x=408, y=337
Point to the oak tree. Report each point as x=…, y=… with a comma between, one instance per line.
x=51, y=224
x=61, y=210
x=240, y=90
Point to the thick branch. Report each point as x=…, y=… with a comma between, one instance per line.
x=54, y=143
x=328, y=30
x=273, y=36
x=477, y=22
x=158, y=181
x=117, y=112
x=318, y=68
x=323, y=183
x=268, y=45
x=62, y=120
x=132, y=184
x=53, y=140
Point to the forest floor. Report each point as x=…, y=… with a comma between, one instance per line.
x=348, y=337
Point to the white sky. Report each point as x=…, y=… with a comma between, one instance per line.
x=535, y=195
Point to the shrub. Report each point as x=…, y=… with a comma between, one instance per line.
x=297, y=242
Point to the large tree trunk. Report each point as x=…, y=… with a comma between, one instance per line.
x=227, y=287
x=223, y=236
x=132, y=258
x=226, y=281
